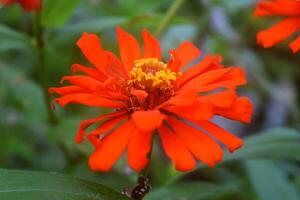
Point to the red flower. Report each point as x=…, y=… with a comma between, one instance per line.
x=150, y=95
x=27, y=5
x=290, y=11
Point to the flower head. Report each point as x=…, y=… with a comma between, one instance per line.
x=151, y=95
x=289, y=10
x=27, y=5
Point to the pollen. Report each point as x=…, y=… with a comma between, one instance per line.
x=152, y=73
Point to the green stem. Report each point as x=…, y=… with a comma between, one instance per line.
x=167, y=18
x=41, y=68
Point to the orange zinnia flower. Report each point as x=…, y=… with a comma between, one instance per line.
x=151, y=95
x=27, y=5
x=290, y=10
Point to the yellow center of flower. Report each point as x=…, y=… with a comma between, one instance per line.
x=151, y=73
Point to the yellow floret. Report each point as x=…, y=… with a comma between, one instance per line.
x=150, y=72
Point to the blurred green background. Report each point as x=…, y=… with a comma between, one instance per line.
x=267, y=168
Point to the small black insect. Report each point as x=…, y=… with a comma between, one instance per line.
x=138, y=191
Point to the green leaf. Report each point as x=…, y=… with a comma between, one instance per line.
x=269, y=182
x=192, y=191
x=95, y=25
x=11, y=39
x=56, y=13
x=275, y=143
x=272, y=144
x=15, y=86
x=25, y=185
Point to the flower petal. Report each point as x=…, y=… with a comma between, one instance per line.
x=95, y=136
x=148, y=120
x=208, y=78
x=115, y=67
x=230, y=78
x=186, y=52
x=129, y=48
x=284, y=8
x=295, y=45
x=198, y=111
x=241, y=110
x=93, y=73
x=175, y=150
x=91, y=47
x=141, y=95
x=207, y=64
x=88, y=100
x=201, y=145
x=88, y=122
x=82, y=81
x=138, y=148
x=67, y=90
x=111, y=148
x=231, y=141
x=221, y=99
x=151, y=46
x=184, y=98
x=278, y=32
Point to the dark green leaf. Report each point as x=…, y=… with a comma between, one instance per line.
x=269, y=182
x=275, y=143
x=56, y=13
x=192, y=191
x=11, y=39
x=15, y=86
x=95, y=25
x=25, y=185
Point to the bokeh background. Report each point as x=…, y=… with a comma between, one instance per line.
x=267, y=168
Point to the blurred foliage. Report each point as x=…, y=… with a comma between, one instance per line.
x=267, y=168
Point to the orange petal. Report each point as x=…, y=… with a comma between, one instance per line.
x=148, y=120
x=174, y=61
x=141, y=95
x=108, y=125
x=295, y=45
x=186, y=52
x=67, y=90
x=151, y=46
x=278, y=32
x=206, y=78
x=241, y=110
x=198, y=143
x=88, y=100
x=93, y=73
x=269, y=8
x=183, y=98
x=235, y=77
x=138, y=148
x=129, y=48
x=88, y=122
x=221, y=99
x=115, y=67
x=229, y=78
x=175, y=150
x=208, y=63
x=82, y=81
x=198, y=111
x=228, y=139
x=111, y=148
x=91, y=47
